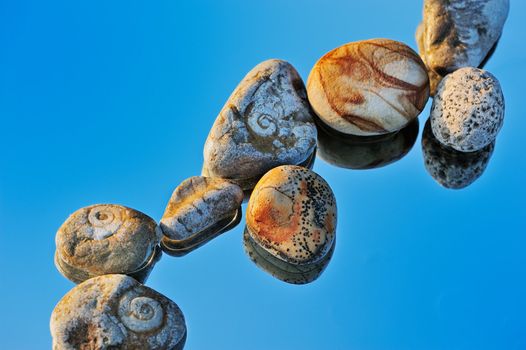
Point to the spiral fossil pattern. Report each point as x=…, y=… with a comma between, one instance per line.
x=116, y=311
x=105, y=238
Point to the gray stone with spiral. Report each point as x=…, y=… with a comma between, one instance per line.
x=106, y=238
x=265, y=123
x=116, y=312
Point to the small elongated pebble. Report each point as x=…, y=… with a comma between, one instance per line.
x=292, y=215
x=283, y=270
x=365, y=152
x=468, y=109
x=368, y=87
x=265, y=123
x=197, y=208
x=451, y=168
x=116, y=312
x=106, y=238
x=460, y=33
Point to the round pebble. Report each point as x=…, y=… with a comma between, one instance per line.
x=106, y=238
x=368, y=87
x=116, y=312
x=468, y=110
x=292, y=215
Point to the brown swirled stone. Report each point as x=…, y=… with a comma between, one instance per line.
x=292, y=215
x=368, y=87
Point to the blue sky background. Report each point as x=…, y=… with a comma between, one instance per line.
x=111, y=102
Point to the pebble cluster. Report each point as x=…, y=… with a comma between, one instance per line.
x=359, y=111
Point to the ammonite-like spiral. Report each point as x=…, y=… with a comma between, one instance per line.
x=105, y=221
x=140, y=313
x=262, y=124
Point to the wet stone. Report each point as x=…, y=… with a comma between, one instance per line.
x=116, y=312
x=265, y=123
x=460, y=33
x=197, y=206
x=451, y=168
x=468, y=110
x=106, y=238
x=292, y=215
x=369, y=87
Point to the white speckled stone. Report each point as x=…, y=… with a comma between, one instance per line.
x=265, y=123
x=468, y=110
x=116, y=312
x=451, y=168
x=459, y=33
x=198, y=203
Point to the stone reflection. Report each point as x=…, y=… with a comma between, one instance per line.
x=451, y=168
x=282, y=270
x=365, y=152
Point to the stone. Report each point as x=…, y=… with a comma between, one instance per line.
x=104, y=239
x=116, y=312
x=365, y=152
x=265, y=123
x=460, y=33
x=369, y=87
x=292, y=215
x=451, y=168
x=199, y=208
x=468, y=109
x=283, y=270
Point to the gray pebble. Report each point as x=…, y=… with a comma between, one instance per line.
x=106, y=238
x=451, y=168
x=116, y=312
x=460, y=33
x=265, y=123
x=468, y=110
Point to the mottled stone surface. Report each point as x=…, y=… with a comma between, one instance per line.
x=460, y=33
x=451, y=168
x=197, y=204
x=365, y=152
x=105, y=238
x=292, y=215
x=368, y=87
x=468, y=109
x=265, y=123
x=116, y=312
x=283, y=270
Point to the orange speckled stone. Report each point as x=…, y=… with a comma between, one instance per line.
x=292, y=214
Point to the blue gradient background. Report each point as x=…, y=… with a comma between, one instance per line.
x=111, y=101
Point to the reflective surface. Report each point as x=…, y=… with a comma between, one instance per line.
x=111, y=102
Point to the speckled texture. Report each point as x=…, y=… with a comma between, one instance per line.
x=197, y=204
x=282, y=270
x=265, y=123
x=105, y=238
x=460, y=33
x=451, y=168
x=365, y=152
x=116, y=312
x=468, y=110
x=292, y=214
x=369, y=87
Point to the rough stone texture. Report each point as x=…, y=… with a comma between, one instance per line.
x=451, y=168
x=459, y=33
x=292, y=215
x=468, y=110
x=283, y=270
x=197, y=204
x=365, y=152
x=265, y=123
x=116, y=312
x=102, y=239
x=368, y=87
